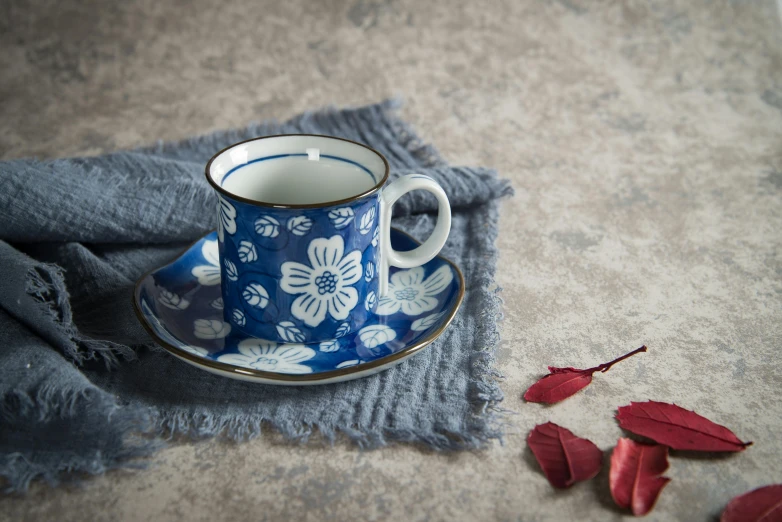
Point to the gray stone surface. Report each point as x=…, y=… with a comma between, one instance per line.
x=644, y=144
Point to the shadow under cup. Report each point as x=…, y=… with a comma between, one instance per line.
x=298, y=229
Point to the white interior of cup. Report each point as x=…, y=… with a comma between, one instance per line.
x=297, y=170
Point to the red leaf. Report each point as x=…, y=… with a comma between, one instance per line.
x=565, y=458
x=561, y=383
x=677, y=428
x=759, y=505
x=558, y=385
x=635, y=479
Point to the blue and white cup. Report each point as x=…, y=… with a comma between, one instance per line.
x=304, y=235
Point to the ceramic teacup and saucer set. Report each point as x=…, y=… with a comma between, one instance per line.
x=304, y=281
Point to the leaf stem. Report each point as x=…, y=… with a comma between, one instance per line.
x=606, y=366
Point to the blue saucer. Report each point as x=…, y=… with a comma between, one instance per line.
x=181, y=307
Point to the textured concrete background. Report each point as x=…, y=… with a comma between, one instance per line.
x=644, y=144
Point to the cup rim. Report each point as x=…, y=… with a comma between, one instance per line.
x=324, y=204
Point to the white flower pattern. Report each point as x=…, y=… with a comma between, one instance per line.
x=210, y=329
x=343, y=330
x=237, y=316
x=288, y=331
x=325, y=286
x=299, y=225
x=329, y=346
x=267, y=226
x=256, y=295
x=247, y=252
x=230, y=270
x=226, y=218
x=374, y=335
x=171, y=300
x=341, y=217
x=411, y=294
x=195, y=350
x=369, y=302
x=424, y=323
x=367, y=220
x=348, y=364
x=208, y=275
x=271, y=357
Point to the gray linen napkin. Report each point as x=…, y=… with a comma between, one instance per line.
x=83, y=388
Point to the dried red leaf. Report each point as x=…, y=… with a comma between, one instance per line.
x=634, y=478
x=561, y=383
x=677, y=428
x=759, y=505
x=557, y=386
x=564, y=458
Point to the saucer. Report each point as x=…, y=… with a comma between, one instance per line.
x=186, y=317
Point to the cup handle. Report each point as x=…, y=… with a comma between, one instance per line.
x=430, y=247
